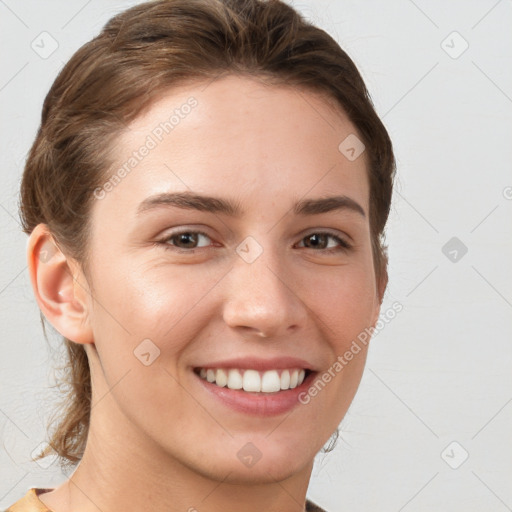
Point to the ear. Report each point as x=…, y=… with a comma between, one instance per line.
x=60, y=288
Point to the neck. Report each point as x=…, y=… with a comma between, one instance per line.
x=122, y=470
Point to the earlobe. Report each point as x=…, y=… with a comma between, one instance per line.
x=54, y=278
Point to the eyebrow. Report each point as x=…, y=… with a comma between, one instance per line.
x=192, y=201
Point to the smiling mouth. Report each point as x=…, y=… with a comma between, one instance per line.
x=254, y=381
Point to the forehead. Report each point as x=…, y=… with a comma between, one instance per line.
x=240, y=135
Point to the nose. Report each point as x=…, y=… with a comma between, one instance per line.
x=261, y=298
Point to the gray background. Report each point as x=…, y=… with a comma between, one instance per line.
x=440, y=372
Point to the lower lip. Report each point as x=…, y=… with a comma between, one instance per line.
x=258, y=404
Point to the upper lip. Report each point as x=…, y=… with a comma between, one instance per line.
x=256, y=363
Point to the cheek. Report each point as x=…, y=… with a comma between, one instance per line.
x=163, y=302
x=345, y=301
x=158, y=303
x=144, y=319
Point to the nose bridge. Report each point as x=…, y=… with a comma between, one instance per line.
x=260, y=296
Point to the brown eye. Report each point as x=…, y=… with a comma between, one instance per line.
x=321, y=241
x=317, y=241
x=185, y=240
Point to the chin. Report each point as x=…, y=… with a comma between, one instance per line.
x=263, y=472
x=262, y=459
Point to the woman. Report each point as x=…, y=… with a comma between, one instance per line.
x=206, y=201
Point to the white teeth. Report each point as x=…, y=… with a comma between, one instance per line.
x=254, y=381
x=271, y=382
x=235, y=380
x=285, y=379
x=221, y=378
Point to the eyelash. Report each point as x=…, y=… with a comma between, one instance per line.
x=344, y=245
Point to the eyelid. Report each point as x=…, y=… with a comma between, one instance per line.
x=343, y=244
x=179, y=231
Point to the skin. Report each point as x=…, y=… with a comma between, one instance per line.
x=157, y=440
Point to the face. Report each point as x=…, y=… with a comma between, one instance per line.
x=183, y=287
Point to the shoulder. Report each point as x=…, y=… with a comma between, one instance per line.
x=311, y=507
x=30, y=502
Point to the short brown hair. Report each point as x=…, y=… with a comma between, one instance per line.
x=111, y=79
